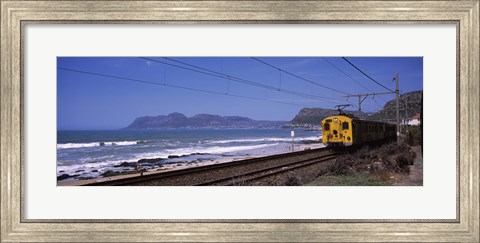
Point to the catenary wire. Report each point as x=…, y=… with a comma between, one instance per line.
x=353, y=65
x=232, y=78
x=296, y=76
x=356, y=81
x=340, y=70
x=175, y=86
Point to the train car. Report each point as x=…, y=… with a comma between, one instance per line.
x=344, y=130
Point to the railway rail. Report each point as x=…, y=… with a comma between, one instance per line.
x=249, y=170
x=250, y=177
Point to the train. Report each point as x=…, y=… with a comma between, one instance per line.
x=344, y=130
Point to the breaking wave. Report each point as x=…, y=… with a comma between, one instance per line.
x=96, y=144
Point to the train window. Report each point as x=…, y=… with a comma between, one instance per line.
x=326, y=127
x=345, y=125
x=328, y=120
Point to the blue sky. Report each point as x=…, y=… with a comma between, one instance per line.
x=110, y=92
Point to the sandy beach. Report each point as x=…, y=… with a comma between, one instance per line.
x=183, y=165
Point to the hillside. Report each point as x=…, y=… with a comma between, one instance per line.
x=178, y=120
x=413, y=100
x=311, y=117
x=306, y=117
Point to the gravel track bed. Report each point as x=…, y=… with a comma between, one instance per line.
x=283, y=171
x=216, y=172
x=295, y=177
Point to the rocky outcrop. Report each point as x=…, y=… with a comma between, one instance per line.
x=308, y=117
x=409, y=103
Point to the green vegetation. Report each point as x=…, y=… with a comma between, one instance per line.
x=368, y=167
x=359, y=179
x=388, y=157
x=413, y=135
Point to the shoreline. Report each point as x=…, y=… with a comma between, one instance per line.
x=185, y=165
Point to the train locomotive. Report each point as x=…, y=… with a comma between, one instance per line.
x=345, y=130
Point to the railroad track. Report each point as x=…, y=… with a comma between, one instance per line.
x=251, y=177
x=203, y=175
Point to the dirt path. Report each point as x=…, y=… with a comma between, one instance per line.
x=415, y=178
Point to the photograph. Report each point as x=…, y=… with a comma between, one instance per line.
x=239, y=121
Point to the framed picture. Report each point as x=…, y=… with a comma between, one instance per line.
x=256, y=121
x=250, y=127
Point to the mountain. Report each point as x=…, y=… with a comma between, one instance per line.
x=412, y=101
x=178, y=120
x=306, y=117
x=311, y=117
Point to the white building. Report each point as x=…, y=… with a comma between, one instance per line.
x=414, y=121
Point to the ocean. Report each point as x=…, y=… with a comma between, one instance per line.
x=91, y=154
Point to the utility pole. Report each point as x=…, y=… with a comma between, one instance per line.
x=293, y=143
x=360, y=102
x=398, y=111
x=406, y=116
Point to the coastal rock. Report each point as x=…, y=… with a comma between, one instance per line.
x=200, y=154
x=185, y=155
x=109, y=173
x=126, y=164
x=154, y=160
x=65, y=176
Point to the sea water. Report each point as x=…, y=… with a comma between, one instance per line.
x=89, y=154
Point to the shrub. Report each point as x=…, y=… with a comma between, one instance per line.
x=402, y=163
x=388, y=157
x=294, y=180
x=341, y=167
x=414, y=136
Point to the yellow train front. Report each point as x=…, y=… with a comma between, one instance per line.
x=343, y=130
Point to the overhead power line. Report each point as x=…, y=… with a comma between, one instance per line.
x=236, y=79
x=356, y=81
x=340, y=70
x=367, y=75
x=360, y=100
x=296, y=76
x=376, y=102
x=175, y=86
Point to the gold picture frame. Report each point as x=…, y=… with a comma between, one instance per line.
x=15, y=14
